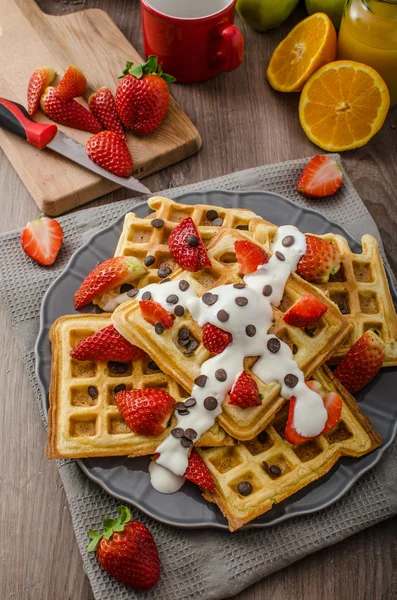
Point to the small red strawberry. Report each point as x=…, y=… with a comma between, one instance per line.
x=39, y=80
x=362, y=362
x=72, y=84
x=154, y=313
x=198, y=473
x=142, y=96
x=106, y=276
x=187, y=248
x=71, y=113
x=127, y=551
x=106, y=344
x=320, y=261
x=306, y=312
x=249, y=256
x=245, y=392
x=147, y=411
x=215, y=340
x=108, y=150
x=322, y=177
x=103, y=106
x=42, y=239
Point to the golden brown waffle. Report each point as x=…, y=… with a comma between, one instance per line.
x=294, y=467
x=80, y=426
x=310, y=349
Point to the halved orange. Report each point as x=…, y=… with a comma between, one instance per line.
x=343, y=105
x=309, y=46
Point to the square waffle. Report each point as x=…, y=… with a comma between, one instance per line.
x=276, y=469
x=310, y=348
x=82, y=425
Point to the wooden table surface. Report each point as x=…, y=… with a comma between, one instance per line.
x=243, y=124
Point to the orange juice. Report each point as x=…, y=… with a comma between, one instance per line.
x=368, y=34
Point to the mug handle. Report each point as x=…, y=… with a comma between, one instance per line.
x=228, y=47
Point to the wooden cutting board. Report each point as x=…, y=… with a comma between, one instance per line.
x=89, y=39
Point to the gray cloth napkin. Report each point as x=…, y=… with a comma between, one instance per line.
x=197, y=564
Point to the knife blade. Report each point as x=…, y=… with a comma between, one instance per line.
x=15, y=118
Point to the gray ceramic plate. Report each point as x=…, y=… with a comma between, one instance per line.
x=128, y=479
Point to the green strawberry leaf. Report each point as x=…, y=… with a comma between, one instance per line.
x=168, y=78
x=110, y=525
x=95, y=537
x=137, y=71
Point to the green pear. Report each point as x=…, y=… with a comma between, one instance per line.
x=332, y=8
x=265, y=14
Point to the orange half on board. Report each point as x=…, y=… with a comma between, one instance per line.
x=311, y=44
x=343, y=105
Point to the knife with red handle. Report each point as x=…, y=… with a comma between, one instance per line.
x=15, y=118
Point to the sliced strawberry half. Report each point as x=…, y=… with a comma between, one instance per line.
x=187, y=248
x=322, y=177
x=320, y=261
x=42, y=239
x=154, y=313
x=362, y=362
x=39, y=80
x=306, y=312
x=215, y=340
x=72, y=84
x=147, y=411
x=106, y=344
x=249, y=256
x=198, y=472
x=245, y=392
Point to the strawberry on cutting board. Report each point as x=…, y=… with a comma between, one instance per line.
x=215, y=340
x=72, y=84
x=106, y=276
x=245, y=392
x=39, y=80
x=142, y=96
x=155, y=314
x=249, y=256
x=362, y=362
x=71, y=113
x=127, y=551
x=108, y=150
x=197, y=472
x=42, y=239
x=320, y=261
x=306, y=312
x=322, y=177
x=103, y=106
x=187, y=248
x=105, y=345
x=147, y=411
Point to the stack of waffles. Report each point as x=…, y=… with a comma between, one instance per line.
x=252, y=464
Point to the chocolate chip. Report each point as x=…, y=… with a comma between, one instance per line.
x=275, y=470
x=152, y=366
x=164, y=271
x=267, y=290
x=274, y=345
x=250, y=330
x=191, y=434
x=126, y=287
x=172, y=299
x=117, y=367
x=223, y=316
x=210, y=403
x=192, y=241
x=180, y=406
x=183, y=333
x=149, y=261
x=239, y=286
x=244, y=488
x=179, y=311
x=120, y=388
x=211, y=215
x=209, y=299
x=291, y=380
x=241, y=301
x=280, y=256
x=201, y=380
x=132, y=293
x=191, y=347
x=177, y=432
x=146, y=296
x=190, y=402
x=288, y=241
x=220, y=375
x=157, y=223
x=159, y=328
x=183, y=285
x=217, y=222
x=165, y=280
x=182, y=413
x=92, y=391
x=263, y=437
x=186, y=443
x=183, y=342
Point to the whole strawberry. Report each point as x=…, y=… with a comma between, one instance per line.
x=187, y=248
x=146, y=411
x=108, y=150
x=105, y=345
x=215, y=340
x=362, y=362
x=103, y=106
x=245, y=392
x=320, y=261
x=142, y=96
x=39, y=80
x=71, y=113
x=127, y=551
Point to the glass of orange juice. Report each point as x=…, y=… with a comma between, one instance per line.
x=368, y=34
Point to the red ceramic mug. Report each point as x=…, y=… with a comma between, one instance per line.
x=194, y=39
